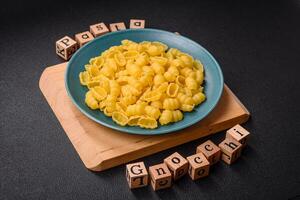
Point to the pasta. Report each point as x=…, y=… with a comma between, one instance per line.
x=143, y=84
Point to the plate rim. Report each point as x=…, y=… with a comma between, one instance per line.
x=137, y=132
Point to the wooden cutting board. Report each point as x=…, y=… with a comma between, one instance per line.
x=101, y=148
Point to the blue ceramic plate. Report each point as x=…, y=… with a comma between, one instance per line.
x=213, y=76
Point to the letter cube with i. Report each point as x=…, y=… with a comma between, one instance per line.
x=65, y=47
x=98, y=29
x=177, y=164
x=83, y=38
x=199, y=166
x=137, y=175
x=117, y=26
x=211, y=151
x=231, y=150
x=239, y=134
x=160, y=176
x=137, y=23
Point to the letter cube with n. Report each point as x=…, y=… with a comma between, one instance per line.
x=239, y=134
x=199, y=166
x=177, y=164
x=231, y=150
x=83, y=38
x=211, y=151
x=65, y=47
x=137, y=175
x=160, y=176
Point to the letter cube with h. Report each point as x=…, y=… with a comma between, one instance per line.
x=231, y=150
x=136, y=175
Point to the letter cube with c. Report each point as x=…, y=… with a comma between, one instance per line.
x=137, y=175
x=211, y=151
x=160, y=176
x=177, y=164
x=199, y=166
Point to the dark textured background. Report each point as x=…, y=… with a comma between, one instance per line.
x=257, y=45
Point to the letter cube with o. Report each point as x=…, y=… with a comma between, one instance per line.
x=160, y=176
x=177, y=164
x=136, y=175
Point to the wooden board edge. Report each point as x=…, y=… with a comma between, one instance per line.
x=134, y=155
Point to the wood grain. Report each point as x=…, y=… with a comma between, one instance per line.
x=101, y=148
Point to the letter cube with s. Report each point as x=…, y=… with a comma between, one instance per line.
x=65, y=47
x=177, y=164
x=136, y=175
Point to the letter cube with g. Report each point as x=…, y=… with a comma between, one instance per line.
x=177, y=164
x=160, y=176
x=137, y=175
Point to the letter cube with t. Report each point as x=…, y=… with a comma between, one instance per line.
x=98, y=29
x=137, y=23
x=177, y=164
x=117, y=26
x=160, y=176
x=239, y=134
x=231, y=150
x=65, y=47
x=137, y=175
x=199, y=166
x=83, y=38
x=211, y=151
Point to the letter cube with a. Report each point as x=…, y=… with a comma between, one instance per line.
x=137, y=23
x=83, y=38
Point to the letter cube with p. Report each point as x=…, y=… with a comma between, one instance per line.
x=137, y=175
x=65, y=47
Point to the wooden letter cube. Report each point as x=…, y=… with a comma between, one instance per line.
x=117, y=26
x=137, y=23
x=177, y=164
x=211, y=151
x=137, y=175
x=65, y=47
x=199, y=166
x=160, y=176
x=231, y=150
x=239, y=134
x=83, y=38
x=98, y=29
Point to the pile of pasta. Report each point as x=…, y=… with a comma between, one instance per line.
x=141, y=84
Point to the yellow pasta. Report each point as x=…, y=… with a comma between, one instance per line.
x=143, y=84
